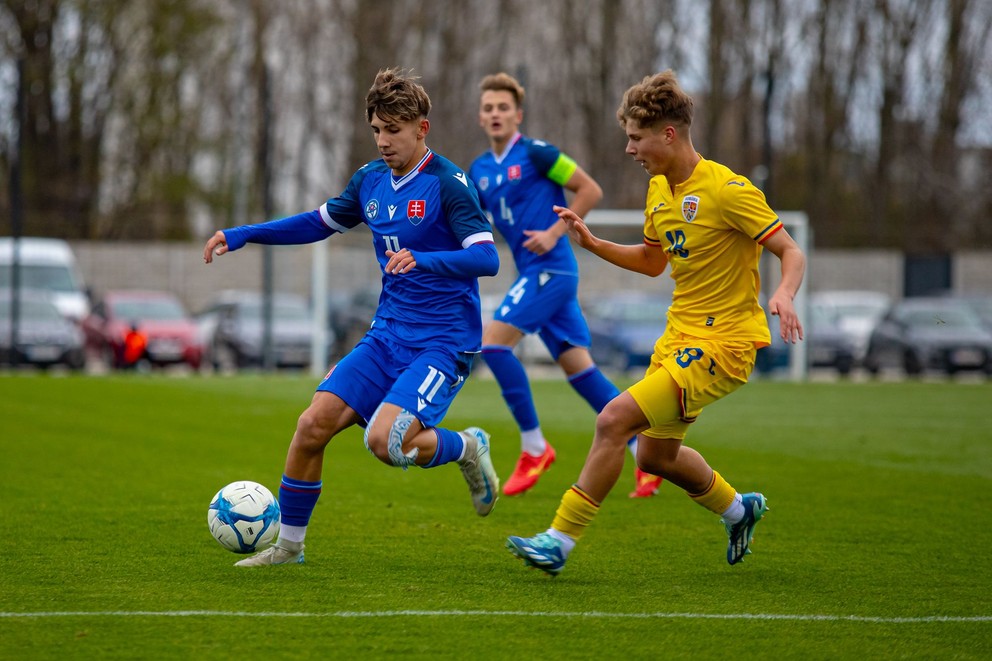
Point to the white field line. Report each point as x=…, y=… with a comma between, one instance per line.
x=483, y=613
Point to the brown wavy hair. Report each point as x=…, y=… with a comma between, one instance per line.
x=656, y=99
x=396, y=95
x=503, y=82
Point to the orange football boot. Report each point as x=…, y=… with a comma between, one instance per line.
x=647, y=484
x=529, y=468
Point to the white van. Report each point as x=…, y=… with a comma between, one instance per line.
x=47, y=265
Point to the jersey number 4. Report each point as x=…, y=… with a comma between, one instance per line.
x=505, y=212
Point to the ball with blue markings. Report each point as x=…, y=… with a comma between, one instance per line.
x=244, y=517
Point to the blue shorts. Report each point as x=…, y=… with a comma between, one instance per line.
x=424, y=381
x=547, y=304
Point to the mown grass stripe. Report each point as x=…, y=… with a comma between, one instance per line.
x=483, y=613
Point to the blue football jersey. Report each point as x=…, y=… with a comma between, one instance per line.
x=517, y=190
x=432, y=208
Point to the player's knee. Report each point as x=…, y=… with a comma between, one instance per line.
x=385, y=439
x=377, y=445
x=653, y=464
x=661, y=457
x=611, y=423
x=377, y=442
x=313, y=431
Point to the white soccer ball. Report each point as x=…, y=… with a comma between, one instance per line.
x=244, y=517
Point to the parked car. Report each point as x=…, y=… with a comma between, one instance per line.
x=856, y=312
x=46, y=265
x=624, y=328
x=982, y=305
x=172, y=336
x=827, y=343
x=917, y=334
x=231, y=328
x=44, y=336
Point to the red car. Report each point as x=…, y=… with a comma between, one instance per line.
x=172, y=336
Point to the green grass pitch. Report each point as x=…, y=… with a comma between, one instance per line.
x=876, y=546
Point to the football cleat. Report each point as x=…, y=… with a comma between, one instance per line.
x=646, y=484
x=274, y=555
x=477, y=469
x=529, y=468
x=740, y=533
x=542, y=551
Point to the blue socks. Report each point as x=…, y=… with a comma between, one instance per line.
x=594, y=387
x=512, y=378
x=450, y=445
x=297, y=499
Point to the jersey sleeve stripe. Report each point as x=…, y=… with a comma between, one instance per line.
x=763, y=235
x=652, y=243
x=329, y=221
x=478, y=237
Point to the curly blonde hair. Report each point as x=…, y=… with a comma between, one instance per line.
x=654, y=100
x=395, y=95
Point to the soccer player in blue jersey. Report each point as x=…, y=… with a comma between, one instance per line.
x=432, y=241
x=710, y=226
x=520, y=180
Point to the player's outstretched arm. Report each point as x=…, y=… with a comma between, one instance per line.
x=293, y=230
x=645, y=259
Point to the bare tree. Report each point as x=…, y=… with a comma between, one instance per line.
x=144, y=118
x=966, y=45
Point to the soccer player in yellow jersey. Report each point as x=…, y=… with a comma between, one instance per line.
x=709, y=225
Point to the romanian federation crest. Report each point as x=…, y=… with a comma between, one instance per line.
x=690, y=205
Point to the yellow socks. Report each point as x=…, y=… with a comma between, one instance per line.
x=575, y=512
x=717, y=497
x=577, y=509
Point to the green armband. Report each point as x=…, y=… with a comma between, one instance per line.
x=562, y=170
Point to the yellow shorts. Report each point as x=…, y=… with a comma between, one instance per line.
x=686, y=374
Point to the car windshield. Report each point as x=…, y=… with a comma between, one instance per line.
x=41, y=276
x=983, y=306
x=951, y=317
x=149, y=309
x=281, y=309
x=32, y=309
x=822, y=316
x=859, y=311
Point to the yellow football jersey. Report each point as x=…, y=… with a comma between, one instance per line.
x=712, y=228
